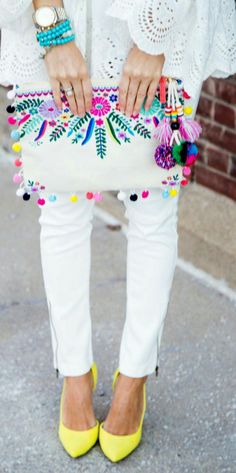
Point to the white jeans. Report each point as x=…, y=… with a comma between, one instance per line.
x=152, y=242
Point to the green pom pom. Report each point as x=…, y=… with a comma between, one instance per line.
x=176, y=153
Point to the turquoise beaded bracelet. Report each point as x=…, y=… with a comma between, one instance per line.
x=59, y=34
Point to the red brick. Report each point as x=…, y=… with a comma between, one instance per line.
x=215, y=181
x=217, y=159
x=225, y=114
x=211, y=132
x=233, y=166
x=202, y=145
x=226, y=90
x=206, y=107
x=209, y=86
x=228, y=141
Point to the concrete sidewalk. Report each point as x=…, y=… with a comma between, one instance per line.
x=190, y=420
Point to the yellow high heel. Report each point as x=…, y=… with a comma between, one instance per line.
x=78, y=442
x=117, y=447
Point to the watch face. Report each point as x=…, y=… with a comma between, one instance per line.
x=45, y=16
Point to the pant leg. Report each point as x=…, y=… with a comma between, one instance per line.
x=65, y=255
x=152, y=249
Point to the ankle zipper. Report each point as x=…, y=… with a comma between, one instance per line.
x=55, y=337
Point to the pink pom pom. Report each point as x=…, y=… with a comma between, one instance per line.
x=163, y=132
x=98, y=196
x=17, y=178
x=186, y=171
x=189, y=129
x=11, y=120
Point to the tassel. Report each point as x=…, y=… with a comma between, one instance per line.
x=163, y=132
x=189, y=129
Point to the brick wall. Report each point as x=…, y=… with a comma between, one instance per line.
x=216, y=167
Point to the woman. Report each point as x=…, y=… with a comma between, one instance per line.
x=136, y=42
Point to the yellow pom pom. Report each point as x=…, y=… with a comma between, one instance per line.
x=173, y=192
x=73, y=198
x=188, y=110
x=16, y=147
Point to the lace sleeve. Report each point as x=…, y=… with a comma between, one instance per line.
x=222, y=59
x=13, y=10
x=151, y=23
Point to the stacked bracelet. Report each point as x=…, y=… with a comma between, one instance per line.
x=59, y=34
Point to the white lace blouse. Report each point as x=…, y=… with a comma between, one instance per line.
x=198, y=37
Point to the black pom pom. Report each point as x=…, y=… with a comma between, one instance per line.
x=133, y=197
x=174, y=126
x=10, y=109
x=26, y=196
x=184, y=152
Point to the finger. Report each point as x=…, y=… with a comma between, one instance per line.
x=55, y=84
x=131, y=96
x=151, y=93
x=141, y=94
x=123, y=90
x=70, y=98
x=79, y=97
x=88, y=93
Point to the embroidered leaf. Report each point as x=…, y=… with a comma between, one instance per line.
x=77, y=138
x=42, y=130
x=89, y=131
x=111, y=130
x=101, y=145
x=57, y=133
x=77, y=123
x=121, y=122
x=176, y=177
x=24, y=119
x=31, y=125
x=142, y=130
x=28, y=103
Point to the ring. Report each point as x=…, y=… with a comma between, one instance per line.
x=69, y=91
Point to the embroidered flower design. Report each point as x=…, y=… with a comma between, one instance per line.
x=65, y=117
x=122, y=135
x=99, y=122
x=33, y=111
x=48, y=109
x=52, y=123
x=113, y=98
x=100, y=106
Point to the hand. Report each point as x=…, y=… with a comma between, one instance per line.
x=140, y=78
x=66, y=66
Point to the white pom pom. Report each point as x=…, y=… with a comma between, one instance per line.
x=20, y=192
x=11, y=94
x=121, y=195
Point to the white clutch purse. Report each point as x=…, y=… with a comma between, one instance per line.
x=105, y=150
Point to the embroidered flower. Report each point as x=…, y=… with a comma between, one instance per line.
x=155, y=107
x=65, y=117
x=52, y=123
x=122, y=135
x=113, y=98
x=147, y=120
x=48, y=109
x=33, y=111
x=99, y=122
x=100, y=106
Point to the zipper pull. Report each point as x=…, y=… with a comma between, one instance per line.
x=156, y=370
x=57, y=373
